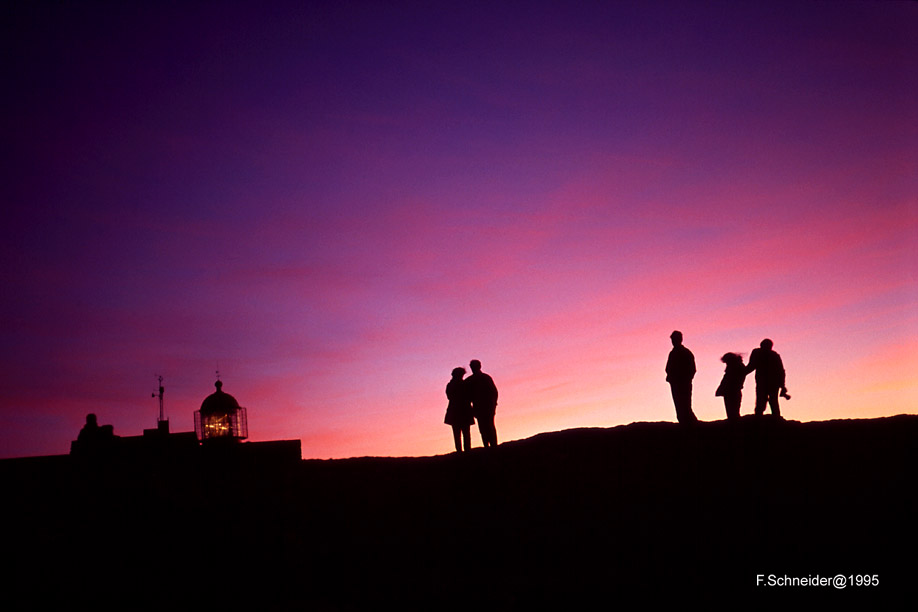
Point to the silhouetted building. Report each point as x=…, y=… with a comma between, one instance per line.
x=221, y=423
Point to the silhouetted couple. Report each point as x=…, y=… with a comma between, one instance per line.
x=471, y=399
x=769, y=379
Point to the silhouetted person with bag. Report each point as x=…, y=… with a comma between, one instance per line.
x=731, y=386
x=680, y=370
x=769, y=377
x=459, y=410
x=483, y=393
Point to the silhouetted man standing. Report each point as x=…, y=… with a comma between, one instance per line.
x=483, y=393
x=769, y=377
x=680, y=370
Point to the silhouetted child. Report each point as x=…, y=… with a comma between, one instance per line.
x=731, y=386
x=459, y=410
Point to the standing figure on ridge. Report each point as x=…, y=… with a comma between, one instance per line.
x=459, y=410
x=769, y=377
x=731, y=387
x=680, y=370
x=483, y=393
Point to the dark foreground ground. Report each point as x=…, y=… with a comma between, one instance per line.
x=582, y=517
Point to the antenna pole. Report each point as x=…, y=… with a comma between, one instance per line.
x=160, y=396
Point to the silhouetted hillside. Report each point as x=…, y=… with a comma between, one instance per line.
x=572, y=516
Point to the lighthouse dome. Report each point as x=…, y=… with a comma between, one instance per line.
x=219, y=402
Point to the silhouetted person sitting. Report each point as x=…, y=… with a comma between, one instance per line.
x=92, y=433
x=459, y=410
x=93, y=437
x=731, y=386
x=483, y=393
x=680, y=370
x=769, y=377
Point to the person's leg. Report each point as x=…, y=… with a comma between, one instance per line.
x=731, y=405
x=484, y=426
x=682, y=398
x=457, y=431
x=677, y=402
x=773, y=402
x=688, y=403
x=492, y=431
x=761, y=398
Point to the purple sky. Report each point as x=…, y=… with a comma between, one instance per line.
x=336, y=203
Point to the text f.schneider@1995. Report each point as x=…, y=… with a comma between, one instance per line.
x=839, y=581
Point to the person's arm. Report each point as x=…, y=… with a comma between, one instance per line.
x=753, y=361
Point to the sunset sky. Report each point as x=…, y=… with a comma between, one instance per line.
x=336, y=203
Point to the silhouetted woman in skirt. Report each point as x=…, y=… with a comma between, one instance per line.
x=459, y=411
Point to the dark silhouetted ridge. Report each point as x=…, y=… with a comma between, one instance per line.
x=571, y=516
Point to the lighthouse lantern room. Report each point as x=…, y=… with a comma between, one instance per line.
x=220, y=418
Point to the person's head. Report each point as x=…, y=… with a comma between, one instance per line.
x=475, y=365
x=91, y=420
x=676, y=337
x=732, y=358
x=767, y=344
x=458, y=373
